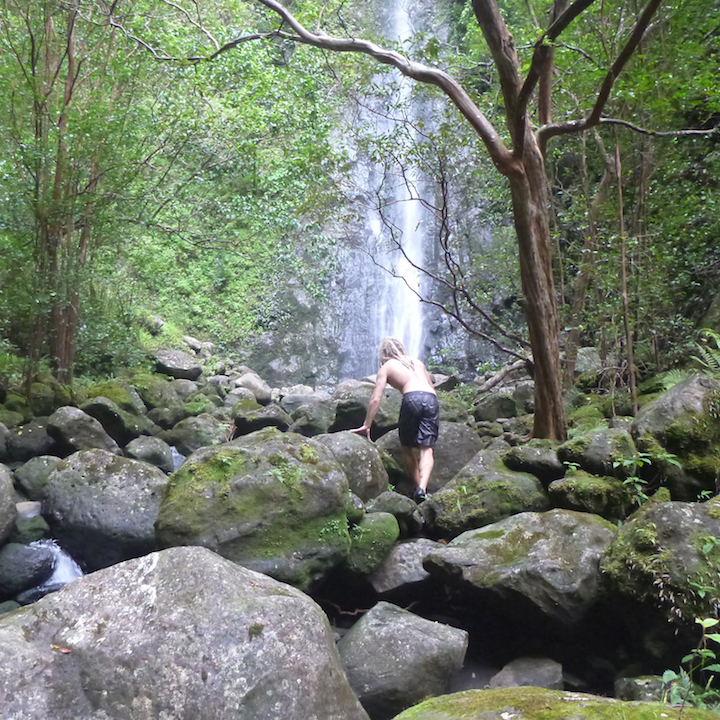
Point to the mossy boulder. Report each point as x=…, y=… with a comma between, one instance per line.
x=155, y=390
x=541, y=566
x=602, y=452
x=531, y=703
x=121, y=425
x=371, y=541
x=361, y=462
x=684, y=422
x=124, y=395
x=668, y=556
x=274, y=502
x=41, y=399
x=352, y=398
x=605, y=496
x=193, y=433
x=199, y=403
x=265, y=416
x=483, y=492
x=538, y=457
x=453, y=409
x=494, y=406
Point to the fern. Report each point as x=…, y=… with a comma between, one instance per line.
x=709, y=351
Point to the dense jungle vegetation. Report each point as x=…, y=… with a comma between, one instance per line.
x=148, y=168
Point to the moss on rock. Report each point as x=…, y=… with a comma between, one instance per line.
x=372, y=539
x=531, y=703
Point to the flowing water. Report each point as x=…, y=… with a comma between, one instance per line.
x=65, y=570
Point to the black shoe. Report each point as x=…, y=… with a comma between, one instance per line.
x=419, y=496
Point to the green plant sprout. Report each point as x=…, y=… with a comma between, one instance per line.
x=681, y=688
x=632, y=465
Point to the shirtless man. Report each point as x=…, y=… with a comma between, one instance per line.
x=419, y=413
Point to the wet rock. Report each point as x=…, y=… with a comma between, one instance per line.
x=102, y=507
x=393, y=659
x=23, y=567
x=178, y=364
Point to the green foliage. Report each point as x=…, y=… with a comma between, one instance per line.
x=709, y=352
x=681, y=687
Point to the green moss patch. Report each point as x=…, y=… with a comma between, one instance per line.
x=530, y=703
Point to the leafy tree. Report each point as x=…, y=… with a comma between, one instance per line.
x=519, y=152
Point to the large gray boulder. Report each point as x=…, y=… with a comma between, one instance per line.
x=352, y=398
x=151, y=450
x=75, y=430
x=402, y=573
x=483, y=492
x=264, y=416
x=457, y=444
x=667, y=556
x=178, y=364
x=541, y=566
x=361, y=462
x=314, y=417
x=177, y=634
x=530, y=671
x=394, y=659
x=103, y=508
x=193, y=433
x=275, y=502
x=7, y=503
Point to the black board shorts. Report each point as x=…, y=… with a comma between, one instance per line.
x=419, y=419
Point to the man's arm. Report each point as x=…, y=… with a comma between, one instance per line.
x=374, y=404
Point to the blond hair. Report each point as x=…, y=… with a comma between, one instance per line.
x=392, y=349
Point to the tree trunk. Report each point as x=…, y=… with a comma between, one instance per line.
x=530, y=210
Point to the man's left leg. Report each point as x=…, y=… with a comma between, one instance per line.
x=411, y=463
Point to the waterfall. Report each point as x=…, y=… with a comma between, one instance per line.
x=399, y=236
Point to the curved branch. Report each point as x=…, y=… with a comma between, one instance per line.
x=417, y=71
x=594, y=118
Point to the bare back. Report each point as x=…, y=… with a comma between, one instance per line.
x=407, y=379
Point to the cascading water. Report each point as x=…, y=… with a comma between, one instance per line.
x=388, y=289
